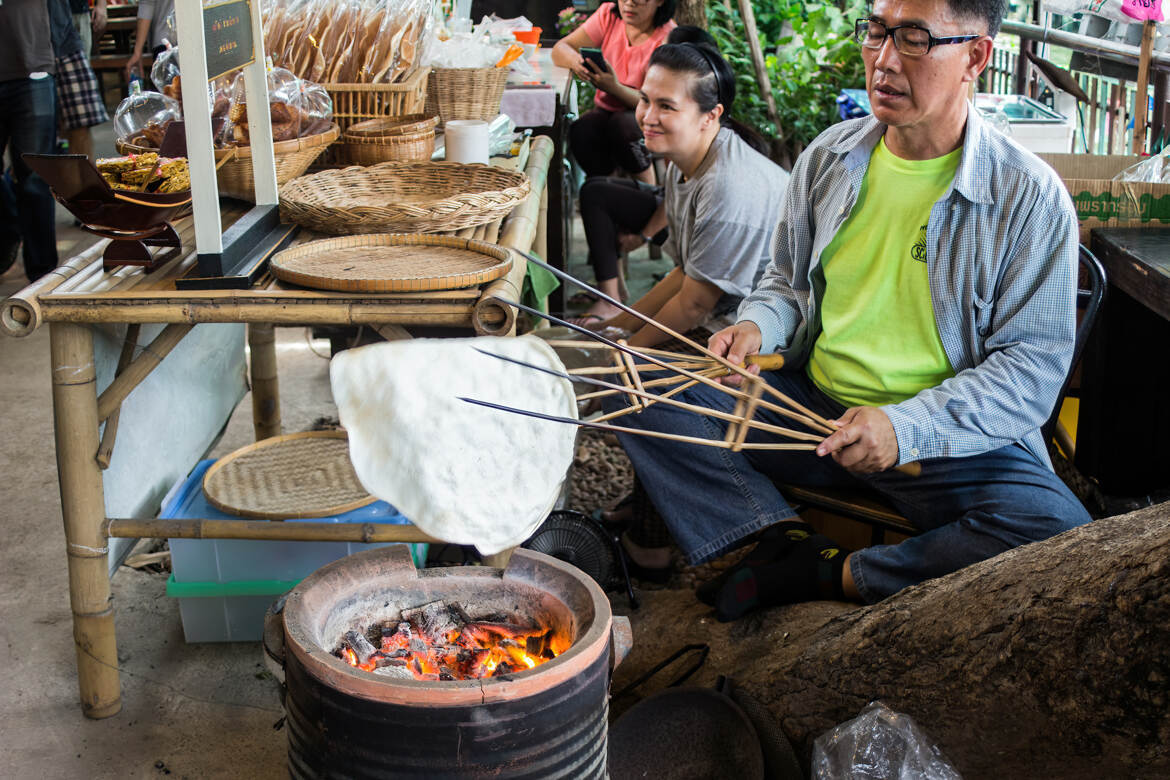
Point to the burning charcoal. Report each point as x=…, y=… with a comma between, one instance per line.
x=435, y=619
x=401, y=652
x=418, y=646
x=395, y=672
x=446, y=674
x=503, y=668
x=360, y=645
x=459, y=613
x=538, y=645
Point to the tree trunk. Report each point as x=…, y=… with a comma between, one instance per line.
x=692, y=12
x=1049, y=661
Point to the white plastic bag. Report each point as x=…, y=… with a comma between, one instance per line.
x=879, y=744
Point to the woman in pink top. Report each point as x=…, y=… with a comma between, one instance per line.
x=627, y=32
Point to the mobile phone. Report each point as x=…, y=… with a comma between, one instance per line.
x=595, y=55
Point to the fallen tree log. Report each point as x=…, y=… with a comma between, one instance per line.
x=1048, y=661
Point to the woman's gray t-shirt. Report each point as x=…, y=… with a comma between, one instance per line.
x=722, y=218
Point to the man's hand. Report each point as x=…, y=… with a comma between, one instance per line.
x=865, y=442
x=735, y=344
x=628, y=242
x=133, y=65
x=97, y=21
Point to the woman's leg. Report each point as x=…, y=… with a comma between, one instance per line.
x=628, y=147
x=610, y=207
x=589, y=143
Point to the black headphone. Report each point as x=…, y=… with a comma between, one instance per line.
x=710, y=58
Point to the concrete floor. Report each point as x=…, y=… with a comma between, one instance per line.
x=189, y=711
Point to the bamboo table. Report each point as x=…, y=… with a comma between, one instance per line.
x=79, y=295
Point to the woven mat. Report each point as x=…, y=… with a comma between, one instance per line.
x=389, y=263
x=298, y=475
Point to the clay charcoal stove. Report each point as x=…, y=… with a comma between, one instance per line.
x=462, y=672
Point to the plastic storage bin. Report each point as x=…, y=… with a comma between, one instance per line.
x=225, y=611
x=234, y=560
x=225, y=585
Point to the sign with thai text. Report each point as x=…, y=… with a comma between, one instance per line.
x=227, y=33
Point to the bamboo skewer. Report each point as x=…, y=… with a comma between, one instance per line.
x=743, y=372
x=734, y=392
x=737, y=418
x=636, y=431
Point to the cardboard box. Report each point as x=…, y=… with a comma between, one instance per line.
x=1102, y=202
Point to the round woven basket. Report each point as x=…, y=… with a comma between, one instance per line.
x=402, y=197
x=465, y=93
x=371, y=150
x=293, y=157
x=301, y=475
x=392, y=263
x=409, y=124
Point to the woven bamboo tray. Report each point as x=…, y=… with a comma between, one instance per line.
x=408, y=124
x=295, y=476
x=371, y=150
x=465, y=93
x=409, y=197
x=293, y=157
x=391, y=263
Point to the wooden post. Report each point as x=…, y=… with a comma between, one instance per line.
x=265, y=383
x=1141, y=101
x=753, y=38
x=75, y=424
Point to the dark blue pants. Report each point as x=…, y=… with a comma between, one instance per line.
x=968, y=509
x=28, y=123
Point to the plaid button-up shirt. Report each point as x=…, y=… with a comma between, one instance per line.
x=1001, y=249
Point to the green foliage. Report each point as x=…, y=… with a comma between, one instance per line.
x=810, y=57
x=570, y=19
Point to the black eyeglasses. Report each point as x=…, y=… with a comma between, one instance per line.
x=909, y=39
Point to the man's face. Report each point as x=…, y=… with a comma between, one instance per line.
x=909, y=92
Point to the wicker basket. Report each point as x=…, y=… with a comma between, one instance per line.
x=293, y=157
x=465, y=93
x=353, y=103
x=390, y=148
x=412, y=197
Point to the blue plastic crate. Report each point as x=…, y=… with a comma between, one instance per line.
x=233, y=560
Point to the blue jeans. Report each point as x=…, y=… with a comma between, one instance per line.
x=968, y=509
x=28, y=123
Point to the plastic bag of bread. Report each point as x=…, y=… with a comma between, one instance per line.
x=316, y=109
x=284, y=106
x=165, y=72
x=143, y=117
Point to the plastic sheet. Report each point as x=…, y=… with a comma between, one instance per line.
x=879, y=744
x=1152, y=170
x=353, y=41
x=165, y=72
x=297, y=108
x=143, y=117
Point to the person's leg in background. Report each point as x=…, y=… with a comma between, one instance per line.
x=629, y=147
x=609, y=208
x=589, y=144
x=80, y=138
x=28, y=118
x=9, y=221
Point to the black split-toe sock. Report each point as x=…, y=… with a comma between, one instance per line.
x=774, y=542
x=810, y=569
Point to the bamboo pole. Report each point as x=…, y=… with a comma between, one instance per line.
x=289, y=311
x=499, y=560
x=151, y=356
x=1141, y=108
x=75, y=425
x=196, y=528
x=110, y=434
x=491, y=317
x=21, y=314
x=265, y=380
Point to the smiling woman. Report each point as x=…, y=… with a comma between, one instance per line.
x=626, y=33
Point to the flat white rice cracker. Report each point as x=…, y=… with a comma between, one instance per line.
x=462, y=473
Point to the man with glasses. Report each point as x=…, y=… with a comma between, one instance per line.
x=922, y=291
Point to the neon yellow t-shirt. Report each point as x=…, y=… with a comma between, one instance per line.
x=879, y=342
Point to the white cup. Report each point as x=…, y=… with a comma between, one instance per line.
x=466, y=140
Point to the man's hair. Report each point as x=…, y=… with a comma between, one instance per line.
x=989, y=11
x=662, y=15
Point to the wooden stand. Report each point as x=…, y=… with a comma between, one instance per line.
x=134, y=248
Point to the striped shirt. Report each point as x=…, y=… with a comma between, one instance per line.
x=1002, y=262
